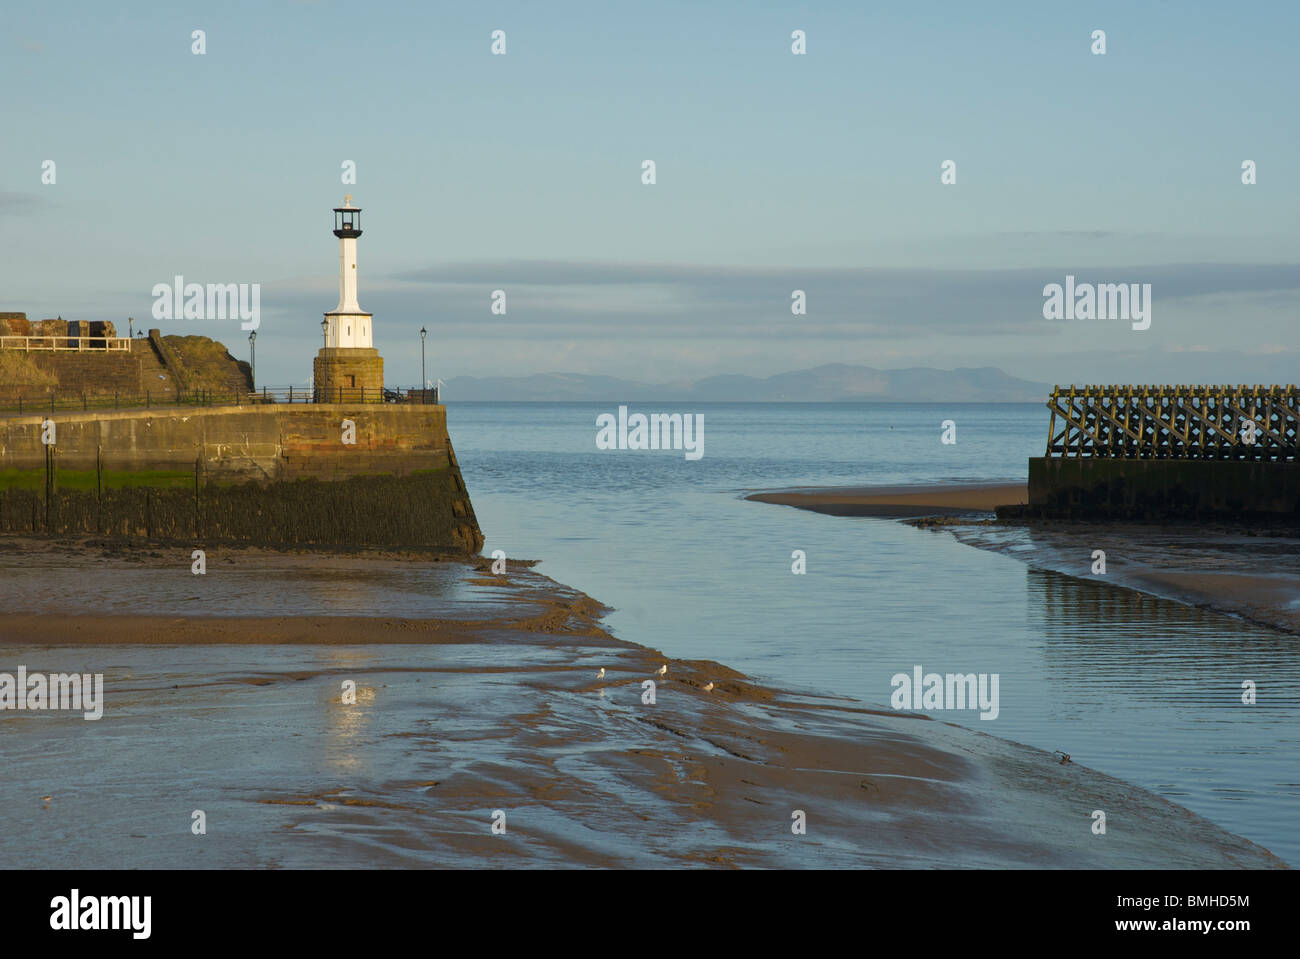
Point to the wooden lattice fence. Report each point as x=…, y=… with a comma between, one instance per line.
x=1175, y=422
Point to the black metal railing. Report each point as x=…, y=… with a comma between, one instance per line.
x=37, y=399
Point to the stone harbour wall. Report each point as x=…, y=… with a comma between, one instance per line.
x=270, y=474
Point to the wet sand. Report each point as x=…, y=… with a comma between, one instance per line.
x=461, y=716
x=1268, y=600
x=1152, y=559
x=897, y=501
x=1241, y=572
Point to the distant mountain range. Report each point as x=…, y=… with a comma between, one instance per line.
x=832, y=383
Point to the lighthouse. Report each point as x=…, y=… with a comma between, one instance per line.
x=348, y=368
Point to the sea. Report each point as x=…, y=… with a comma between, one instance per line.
x=1145, y=689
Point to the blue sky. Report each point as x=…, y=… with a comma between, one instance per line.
x=523, y=172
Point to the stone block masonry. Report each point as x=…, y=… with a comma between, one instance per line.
x=356, y=372
x=272, y=474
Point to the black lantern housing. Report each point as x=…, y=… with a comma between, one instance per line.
x=347, y=221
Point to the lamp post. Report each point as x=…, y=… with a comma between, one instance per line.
x=319, y=391
x=423, y=396
x=252, y=356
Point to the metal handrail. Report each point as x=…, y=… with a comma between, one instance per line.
x=24, y=398
x=63, y=343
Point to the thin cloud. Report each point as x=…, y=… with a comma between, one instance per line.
x=18, y=204
x=568, y=297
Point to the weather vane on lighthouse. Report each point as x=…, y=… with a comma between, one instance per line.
x=348, y=367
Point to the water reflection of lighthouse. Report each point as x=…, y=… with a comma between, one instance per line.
x=350, y=708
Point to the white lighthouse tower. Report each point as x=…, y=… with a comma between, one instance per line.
x=348, y=368
x=348, y=325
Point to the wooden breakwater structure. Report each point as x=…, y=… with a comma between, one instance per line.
x=1212, y=453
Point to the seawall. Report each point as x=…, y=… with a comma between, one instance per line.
x=268, y=474
x=1103, y=488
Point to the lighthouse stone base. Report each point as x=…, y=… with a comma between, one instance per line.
x=348, y=374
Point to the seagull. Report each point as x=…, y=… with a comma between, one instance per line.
x=709, y=688
x=662, y=670
x=601, y=674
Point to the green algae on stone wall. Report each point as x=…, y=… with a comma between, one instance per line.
x=90, y=480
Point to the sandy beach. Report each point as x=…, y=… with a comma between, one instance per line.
x=898, y=501
x=499, y=708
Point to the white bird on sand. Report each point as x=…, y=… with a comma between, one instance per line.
x=662, y=670
x=601, y=674
x=709, y=688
